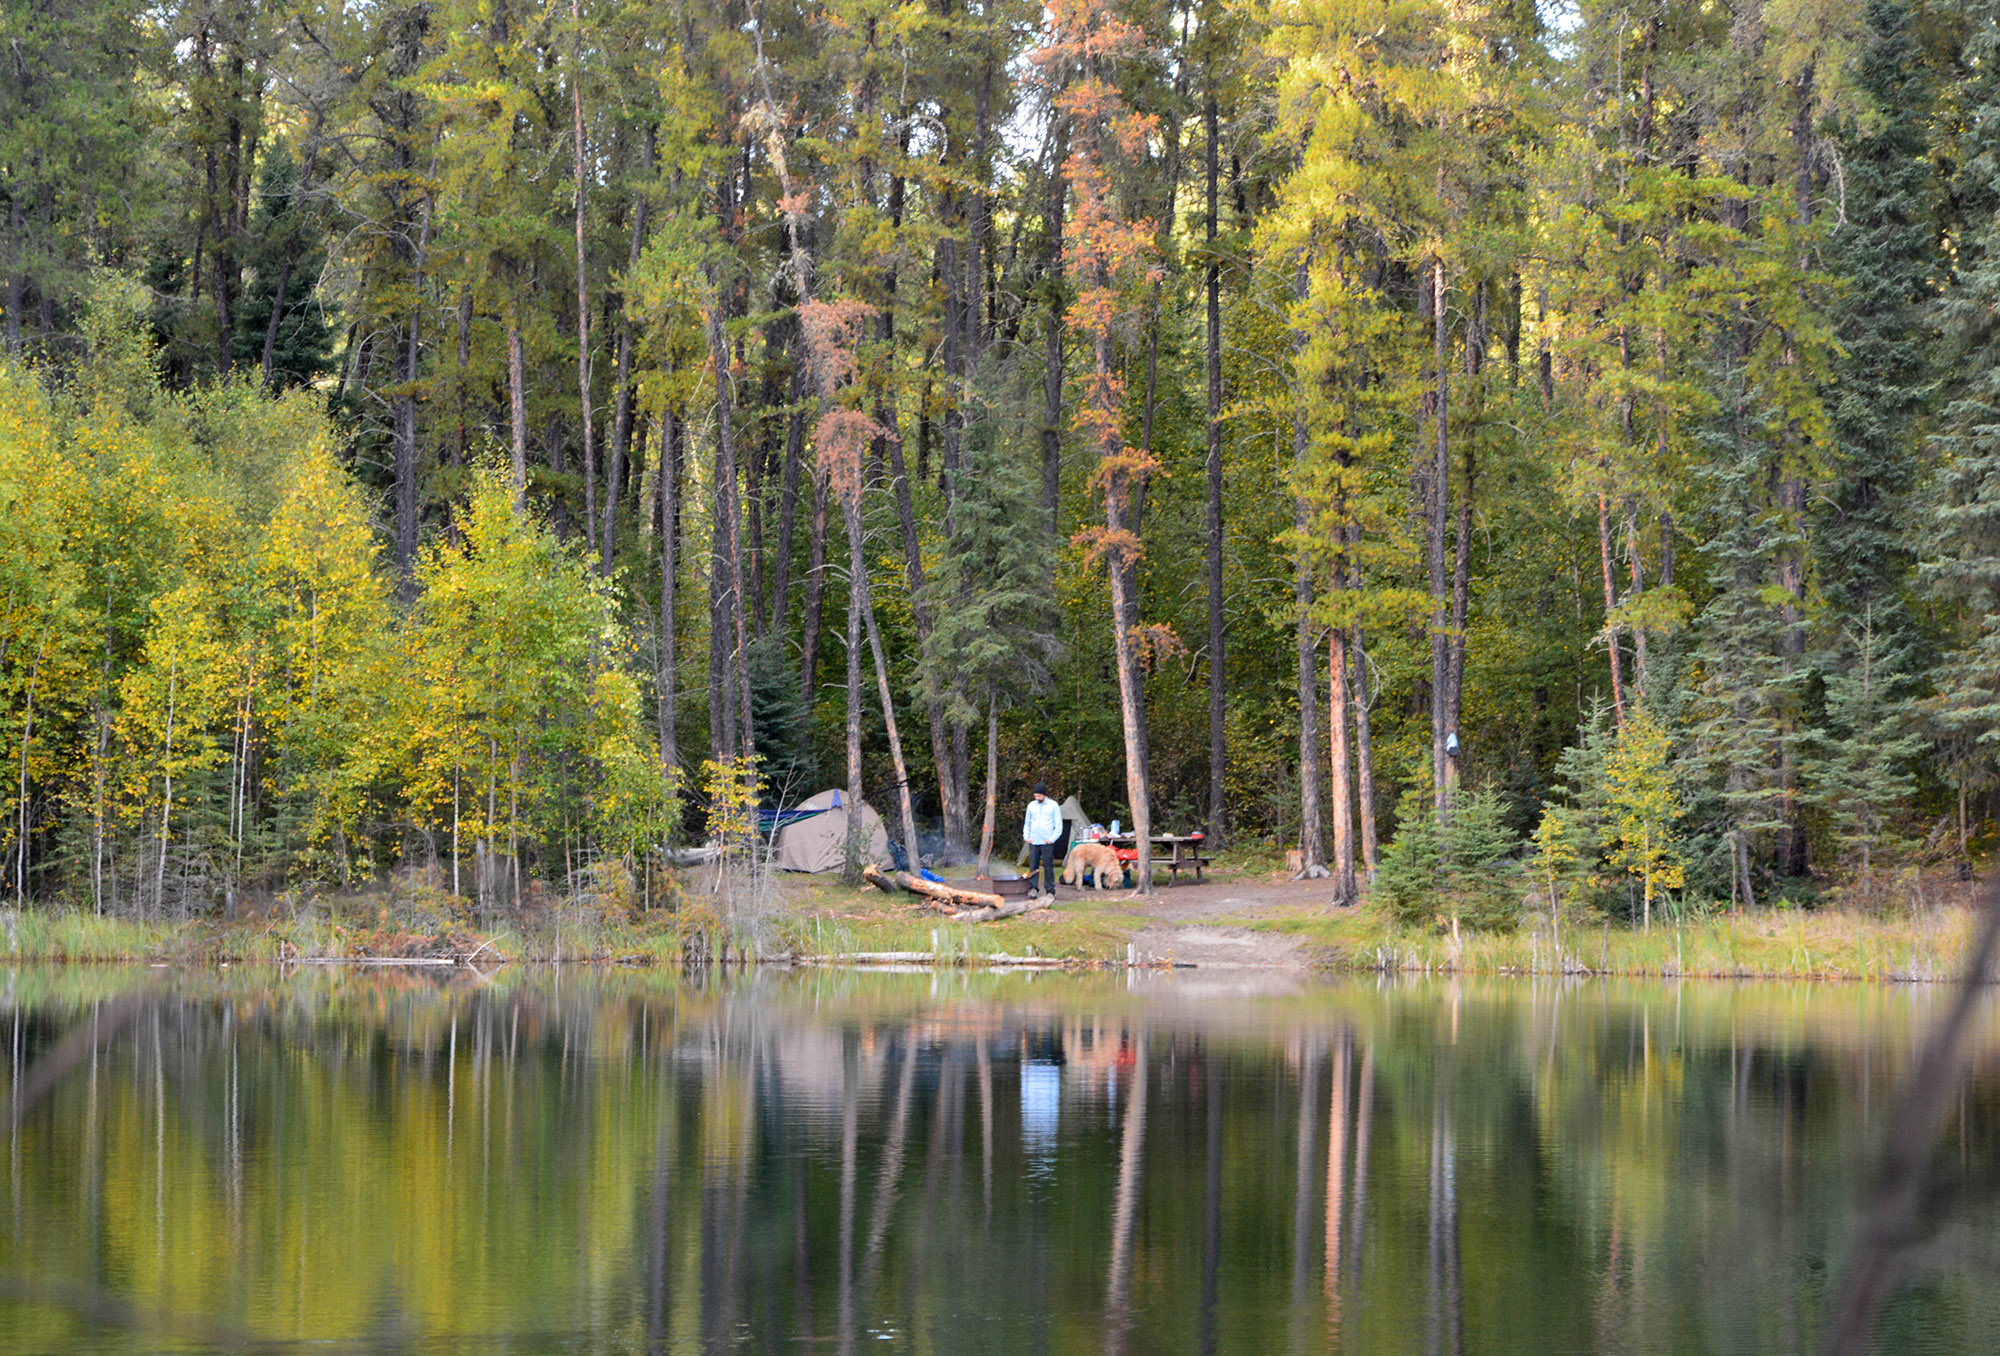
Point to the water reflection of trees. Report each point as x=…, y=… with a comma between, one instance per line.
x=753, y=1163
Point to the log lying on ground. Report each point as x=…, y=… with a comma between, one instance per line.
x=946, y=896
x=942, y=896
x=873, y=875
x=1010, y=909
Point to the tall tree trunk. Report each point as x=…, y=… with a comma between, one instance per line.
x=955, y=774
x=1131, y=677
x=920, y=607
x=1218, y=749
x=1311, y=843
x=406, y=419
x=268, y=364
x=670, y=531
x=277, y=318
x=1436, y=509
x=1364, y=753
x=1461, y=564
x=1311, y=850
x=1340, y=789
x=517, y=406
x=462, y=392
x=1052, y=337
x=992, y=781
x=17, y=275
x=815, y=591
x=621, y=419
x=583, y=290
x=788, y=490
x=721, y=604
x=1638, y=575
x=851, y=870
x=753, y=533
x=737, y=678
x=1610, y=606
x=857, y=564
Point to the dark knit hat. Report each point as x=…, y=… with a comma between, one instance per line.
x=1041, y=788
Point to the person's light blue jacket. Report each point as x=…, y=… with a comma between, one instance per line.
x=1044, y=823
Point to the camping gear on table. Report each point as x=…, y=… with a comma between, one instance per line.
x=816, y=837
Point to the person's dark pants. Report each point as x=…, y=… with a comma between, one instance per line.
x=1042, y=860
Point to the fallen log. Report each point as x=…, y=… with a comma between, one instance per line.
x=944, y=897
x=1012, y=908
x=948, y=895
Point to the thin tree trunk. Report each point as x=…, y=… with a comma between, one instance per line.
x=721, y=606
x=17, y=277
x=920, y=608
x=1436, y=509
x=851, y=869
x=1364, y=753
x=857, y=564
x=463, y=439
x=21, y=805
x=670, y=514
x=729, y=525
x=815, y=590
x=1610, y=606
x=1341, y=788
x=406, y=420
x=277, y=317
x=517, y=407
x=1218, y=749
x=1131, y=678
x=1311, y=843
x=992, y=781
x=788, y=495
x=1052, y=341
x=583, y=289
x=621, y=420
x=167, y=808
x=1311, y=849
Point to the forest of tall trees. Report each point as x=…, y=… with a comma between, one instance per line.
x=464, y=432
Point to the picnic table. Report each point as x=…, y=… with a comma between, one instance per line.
x=1176, y=852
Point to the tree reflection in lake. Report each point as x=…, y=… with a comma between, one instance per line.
x=622, y=1162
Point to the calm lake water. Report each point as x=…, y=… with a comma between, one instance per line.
x=614, y=1162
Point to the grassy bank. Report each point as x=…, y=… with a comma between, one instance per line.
x=816, y=919
x=1789, y=944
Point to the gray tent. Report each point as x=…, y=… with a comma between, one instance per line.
x=1074, y=820
x=819, y=843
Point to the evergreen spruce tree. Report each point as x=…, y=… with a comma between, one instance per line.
x=1862, y=776
x=994, y=637
x=1886, y=253
x=1745, y=704
x=285, y=251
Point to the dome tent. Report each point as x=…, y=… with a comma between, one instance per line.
x=818, y=842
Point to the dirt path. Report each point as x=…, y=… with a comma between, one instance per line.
x=1200, y=925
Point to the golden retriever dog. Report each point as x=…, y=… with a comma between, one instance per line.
x=1096, y=858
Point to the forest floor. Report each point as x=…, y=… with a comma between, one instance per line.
x=1245, y=916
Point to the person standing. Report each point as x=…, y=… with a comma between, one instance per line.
x=1043, y=830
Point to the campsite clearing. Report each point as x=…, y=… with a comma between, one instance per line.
x=1239, y=918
